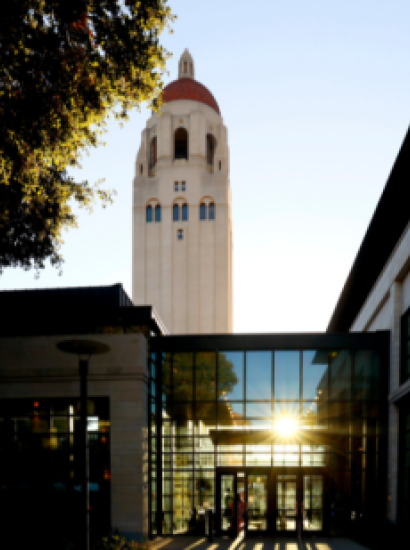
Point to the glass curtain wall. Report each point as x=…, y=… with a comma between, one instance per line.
x=274, y=392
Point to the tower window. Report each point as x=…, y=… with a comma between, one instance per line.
x=158, y=213
x=149, y=214
x=210, y=149
x=141, y=168
x=153, y=152
x=185, y=67
x=180, y=234
x=184, y=212
x=211, y=211
x=181, y=144
x=175, y=212
x=202, y=211
x=176, y=186
x=220, y=165
x=183, y=186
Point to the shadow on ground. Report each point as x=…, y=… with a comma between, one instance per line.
x=220, y=543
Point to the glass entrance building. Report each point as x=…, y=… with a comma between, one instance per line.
x=284, y=424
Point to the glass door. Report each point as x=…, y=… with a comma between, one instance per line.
x=286, y=503
x=227, y=499
x=312, y=503
x=257, y=503
x=243, y=502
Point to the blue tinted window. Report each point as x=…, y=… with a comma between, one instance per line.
x=212, y=211
x=258, y=410
x=149, y=214
x=175, y=213
x=202, y=212
x=158, y=213
x=184, y=212
x=230, y=375
x=258, y=375
x=286, y=380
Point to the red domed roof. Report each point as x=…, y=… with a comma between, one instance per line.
x=187, y=88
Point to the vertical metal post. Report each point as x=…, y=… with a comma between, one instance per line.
x=85, y=535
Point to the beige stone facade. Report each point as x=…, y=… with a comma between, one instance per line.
x=184, y=267
x=35, y=368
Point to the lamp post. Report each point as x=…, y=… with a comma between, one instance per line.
x=84, y=349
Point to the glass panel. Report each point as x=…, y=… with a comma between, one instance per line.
x=312, y=503
x=315, y=371
x=204, y=460
x=182, y=501
x=258, y=375
x=314, y=460
x=230, y=415
x=175, y=212
x=286, y=503
x=290, y=409
x=167, y=383
x=255, y=410
x=340, y=369
x=158, y=213
x=227, y=502
x=257, y=503
x=258, y=459
x=257, y=424
x=205, y=370
x=204, y=490
x=184, y=212
x=366, y=376
x=183, y=372
x=285, y=459
x=230, y=375
x=286, y=382
x=314, y=415
x=225, y=459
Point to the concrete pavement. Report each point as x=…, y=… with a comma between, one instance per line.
x=263, y=543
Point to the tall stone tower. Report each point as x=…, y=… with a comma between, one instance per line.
x=182, y=223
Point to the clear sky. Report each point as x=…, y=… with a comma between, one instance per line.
x=316, y=98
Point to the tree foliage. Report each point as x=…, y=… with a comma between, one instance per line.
x=179, y=386
x=65, y=66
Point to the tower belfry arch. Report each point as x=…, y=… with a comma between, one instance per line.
x=182, y=258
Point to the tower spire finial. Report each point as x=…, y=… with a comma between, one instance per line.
x=186, y=67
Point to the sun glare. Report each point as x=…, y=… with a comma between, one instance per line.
x=286, y=425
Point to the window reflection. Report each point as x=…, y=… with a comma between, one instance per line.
x=205, y=368
x=340, y=375
x=286, y=367
x=315, y=370
x=314, y=415
x=230, y=375
x=257, y=410
x=208, y=393
x=258, y=375
x=366, y=375
x=183, y=376
x=230, y=414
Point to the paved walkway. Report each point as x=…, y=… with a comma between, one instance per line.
x=221, y=543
